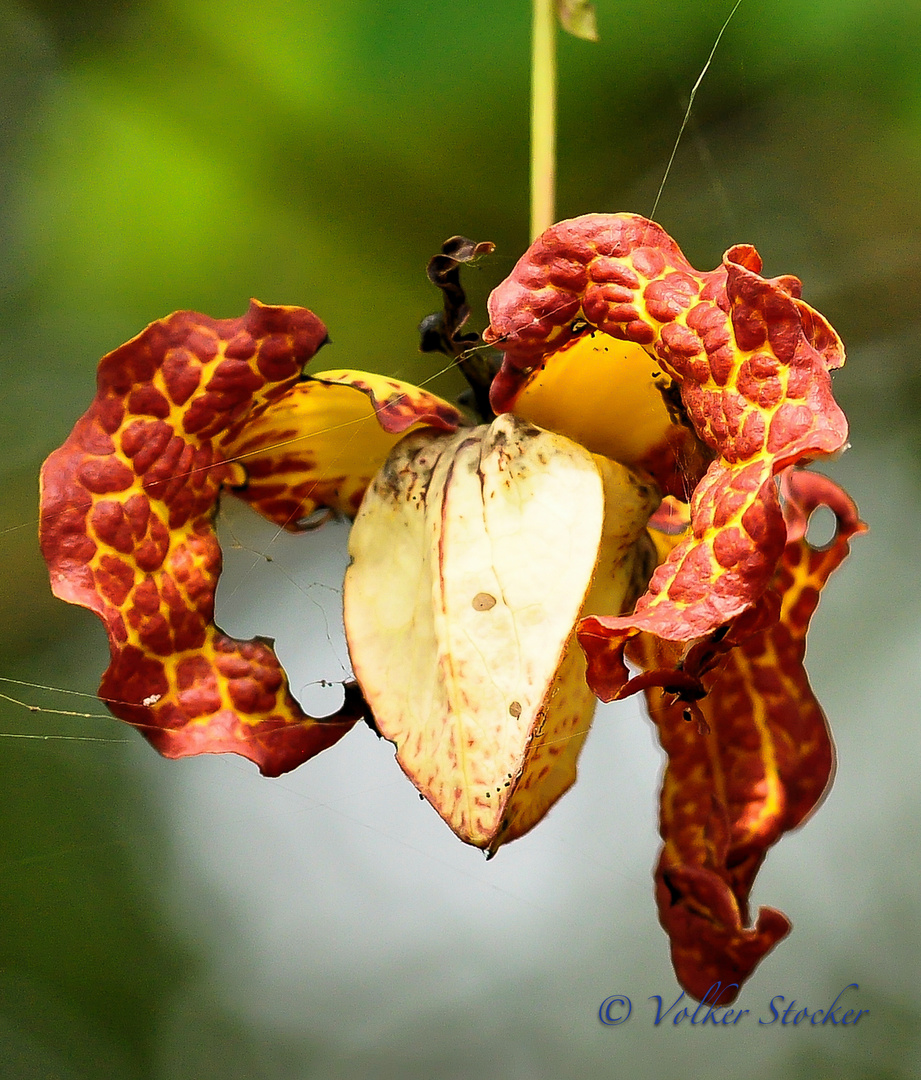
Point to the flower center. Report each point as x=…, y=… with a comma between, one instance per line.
x=603, y=393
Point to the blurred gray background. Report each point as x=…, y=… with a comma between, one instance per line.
x=191, y=920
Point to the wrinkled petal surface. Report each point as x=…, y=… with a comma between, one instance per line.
x=127, y=512
x=751, y=361
x=472, y=557
x=759, y=770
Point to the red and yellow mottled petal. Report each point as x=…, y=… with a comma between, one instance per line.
x=725, y=561
x=224, y=696
x=752, y=363
x=322, y=442
x=397, y=405
x=127, y=508
x=755, y=766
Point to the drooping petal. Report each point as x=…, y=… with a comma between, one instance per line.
x=127, y=509
x=472, y=556
x=757, y=771
x=752, y=362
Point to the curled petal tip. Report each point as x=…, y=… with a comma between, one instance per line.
x=761, y=761
x=804, y=492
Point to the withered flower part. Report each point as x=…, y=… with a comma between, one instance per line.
x=763, y=762
x=639, y=498
x=441, y=331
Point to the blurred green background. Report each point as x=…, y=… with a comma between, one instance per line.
x=171, y=921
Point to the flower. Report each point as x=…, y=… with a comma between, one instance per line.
x=622, y=507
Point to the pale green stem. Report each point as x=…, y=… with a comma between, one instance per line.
x=543, y=116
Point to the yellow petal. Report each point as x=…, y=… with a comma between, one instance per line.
x=322, y=442
x=603, y=393
x=621, y=574
x=472, y=557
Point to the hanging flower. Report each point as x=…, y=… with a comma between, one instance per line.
x=502, y=575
